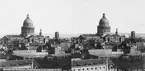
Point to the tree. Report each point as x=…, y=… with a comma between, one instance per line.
x=141, y=46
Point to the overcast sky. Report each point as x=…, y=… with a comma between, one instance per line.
x=72, y=16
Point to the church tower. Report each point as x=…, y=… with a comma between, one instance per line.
x=103, y=26
x=40, y=33
x=27, y=28
x=116, y=31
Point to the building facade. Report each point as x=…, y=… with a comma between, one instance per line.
x=90, y=68
x=89, y=65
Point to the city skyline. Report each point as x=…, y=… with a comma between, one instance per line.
x=72, y=16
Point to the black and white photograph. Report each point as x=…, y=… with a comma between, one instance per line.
x=72, y=35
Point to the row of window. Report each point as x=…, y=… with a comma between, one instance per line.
x=92, y=68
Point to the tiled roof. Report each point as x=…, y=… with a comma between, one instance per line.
x=30, y=53
x=34, y=70
x=2, y=56
x=33, y=47
x=130, y=64
x=64, y=46
x=61, y=55
x=40, y=36
x=104, y=53
x=90, y=35
x=88, y=62
x=15, y=63
x=13, y=36
x=34, y=54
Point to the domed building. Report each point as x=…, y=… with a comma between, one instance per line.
x=27, y=28
x=103, y=26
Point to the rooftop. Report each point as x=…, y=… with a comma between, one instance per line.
x=29, y=53
x=123, y=64
x=15, y=63
x=104, y=53
x=88, y=62
x=2, y=56
x=34, y=54
x=33, y=69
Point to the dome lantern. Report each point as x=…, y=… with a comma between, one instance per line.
x=104, y=15
x=28, y=16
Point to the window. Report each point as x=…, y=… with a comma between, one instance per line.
x=92, y=68
x=79, y=70
x=87, y=68
x=95, y=68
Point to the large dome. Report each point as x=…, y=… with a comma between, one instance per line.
x=104, y=21
x=28, y=22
